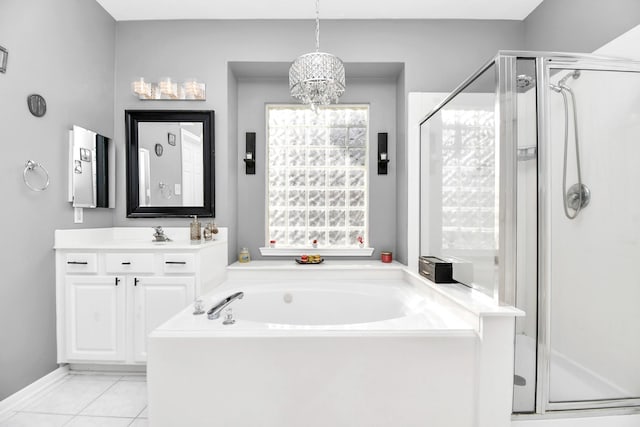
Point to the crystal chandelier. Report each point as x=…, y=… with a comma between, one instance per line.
x=317, y=78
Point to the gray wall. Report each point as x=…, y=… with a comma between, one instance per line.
x=437, y=55
x=63, y=50
x=578, y=25
x=253, y=94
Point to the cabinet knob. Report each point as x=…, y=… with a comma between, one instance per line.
x=78, y=262
x=135, y=281
x=175, y=262
x=126, y=263
x=117, y=281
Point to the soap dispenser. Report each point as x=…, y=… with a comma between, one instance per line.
x=195, y=229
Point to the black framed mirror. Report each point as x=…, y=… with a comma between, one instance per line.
x=170, y=163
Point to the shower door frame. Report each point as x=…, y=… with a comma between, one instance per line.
x=544, y=64
x=505, y=129
x=506, y=142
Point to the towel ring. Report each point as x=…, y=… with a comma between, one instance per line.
x=30, y=166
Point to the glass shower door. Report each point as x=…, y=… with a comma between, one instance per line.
x=593, y=236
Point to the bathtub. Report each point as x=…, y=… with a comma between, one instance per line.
x=325, y=349
x=317, y=304
x=322, y=306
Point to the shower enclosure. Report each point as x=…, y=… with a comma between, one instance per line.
x=530, y=185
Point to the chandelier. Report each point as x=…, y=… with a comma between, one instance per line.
x=317, y=78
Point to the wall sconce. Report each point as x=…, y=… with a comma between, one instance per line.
x=167, y=89
x=250, y=153
x=383, y=153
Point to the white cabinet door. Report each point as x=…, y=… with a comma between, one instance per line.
x=156, y=299
x=95, y=318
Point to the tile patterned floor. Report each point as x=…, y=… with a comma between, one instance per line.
x=86, y=400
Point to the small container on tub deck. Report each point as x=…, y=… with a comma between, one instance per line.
x=436, y=269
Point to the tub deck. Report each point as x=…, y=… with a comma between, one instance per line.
x=450, y=363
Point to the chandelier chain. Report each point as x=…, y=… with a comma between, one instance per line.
x=317, y=25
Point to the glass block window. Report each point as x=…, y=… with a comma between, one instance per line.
x=469, y=213
x=317, y=175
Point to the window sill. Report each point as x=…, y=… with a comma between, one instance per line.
x=339, y=252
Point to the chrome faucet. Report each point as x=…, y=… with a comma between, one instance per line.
x=215, y=311
x=159, y=235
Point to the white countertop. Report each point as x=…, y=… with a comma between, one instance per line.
x=132, y=238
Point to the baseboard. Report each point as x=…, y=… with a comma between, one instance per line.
x=38, y=386
x=94, y=368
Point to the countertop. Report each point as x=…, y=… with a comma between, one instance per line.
x=132, y=238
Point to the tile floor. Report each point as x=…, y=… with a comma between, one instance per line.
x=85, y=400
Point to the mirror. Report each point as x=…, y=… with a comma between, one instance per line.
x=91, y=169
x=170, y=163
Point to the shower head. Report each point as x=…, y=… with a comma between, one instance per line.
x=524, y=82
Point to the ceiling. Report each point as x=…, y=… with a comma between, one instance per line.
x=128, y=10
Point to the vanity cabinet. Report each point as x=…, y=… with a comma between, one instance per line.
x=156, y=299
x=94, y=322
x=111, y=293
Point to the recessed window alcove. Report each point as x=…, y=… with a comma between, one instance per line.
x=254, y=85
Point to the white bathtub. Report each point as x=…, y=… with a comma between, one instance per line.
x=322, y=305
x=382, y=351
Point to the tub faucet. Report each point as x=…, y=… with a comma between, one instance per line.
x=215, y=311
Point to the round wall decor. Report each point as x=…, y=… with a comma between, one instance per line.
x=37, y=105
x=159, y=150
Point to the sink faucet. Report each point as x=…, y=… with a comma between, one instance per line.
x=215, y=311
x=159, y=235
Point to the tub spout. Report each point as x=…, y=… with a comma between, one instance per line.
x=215, y=311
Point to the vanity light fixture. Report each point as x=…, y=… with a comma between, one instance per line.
x=141, y=88
x=317, y=78
x=167, y=89
x=194, y=89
